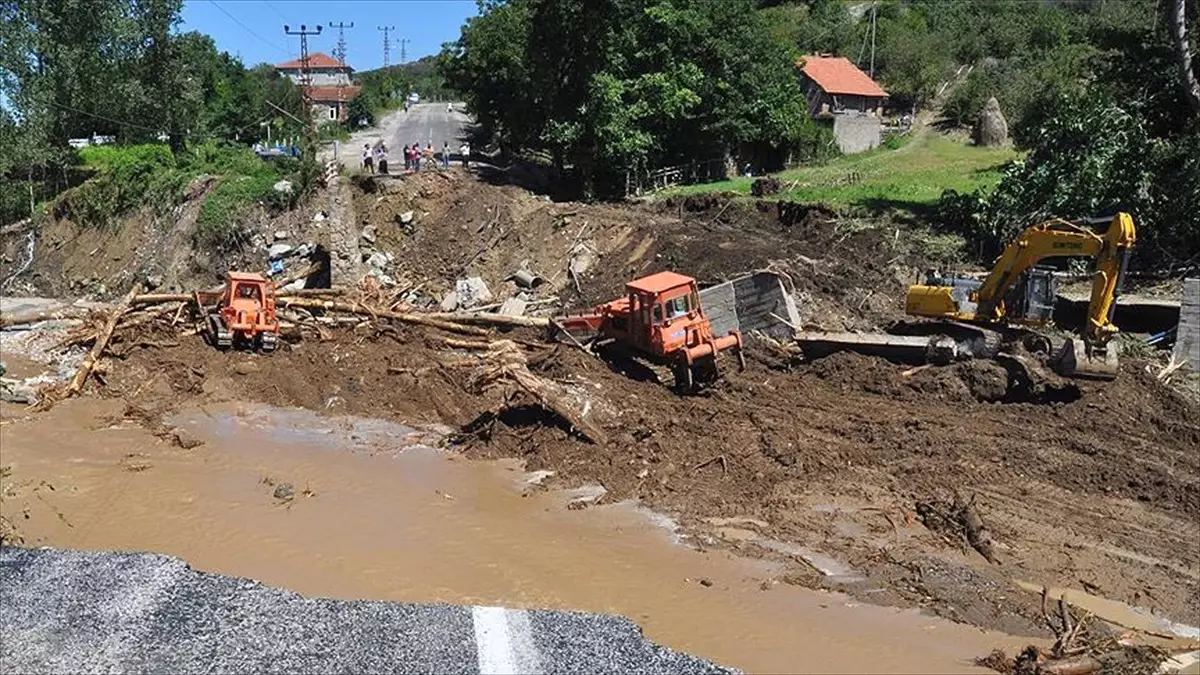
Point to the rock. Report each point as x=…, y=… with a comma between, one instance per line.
x=282, y=234
x=246, y=368
x=294, y=286
x=450, y=302
x=283, y=187
x=992, y=128
x=284, y=491
x=153, y=281
x=471, y=292
x=185, y=439
x=278, y=251
x=406, y=217
x=512, y=307
x=319, y=216
x=377, y=261
x=368, y=234
x=707, y=583
x=17, y=391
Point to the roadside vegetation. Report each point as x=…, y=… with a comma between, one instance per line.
x=124, y=178
x=174, y=106
x=907, y=175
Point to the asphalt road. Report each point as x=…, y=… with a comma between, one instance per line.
x=73, y=611
x=426, y=123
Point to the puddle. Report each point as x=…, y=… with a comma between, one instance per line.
x=392, y=517
x=1119, y=613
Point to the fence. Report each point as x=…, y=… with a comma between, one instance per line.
x=639, y=182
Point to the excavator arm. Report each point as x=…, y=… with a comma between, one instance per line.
x=1055, y=238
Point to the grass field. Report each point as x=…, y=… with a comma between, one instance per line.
x=911, y=176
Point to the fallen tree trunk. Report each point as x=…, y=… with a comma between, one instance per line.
x=303, y=274
x=493, y=319
x=159, y=298
x=351, y=308
x=8, y=320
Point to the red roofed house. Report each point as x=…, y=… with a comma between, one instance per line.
x=331, y=87
x=840, y=93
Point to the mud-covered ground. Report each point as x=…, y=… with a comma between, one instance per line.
x=820, y=464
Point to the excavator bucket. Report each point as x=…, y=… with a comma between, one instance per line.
x=1077, y=359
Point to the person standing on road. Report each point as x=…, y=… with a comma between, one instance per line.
x=429, y=155
x=416, y=151
x=367, y=164
x=407, y=159
x=446, y=155
x=464, y=151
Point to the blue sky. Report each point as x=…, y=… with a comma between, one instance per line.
x=253, y=29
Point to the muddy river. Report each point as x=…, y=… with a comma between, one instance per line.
x=378, y=512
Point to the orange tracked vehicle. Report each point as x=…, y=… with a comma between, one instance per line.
x=242, y=313
x=661, y=319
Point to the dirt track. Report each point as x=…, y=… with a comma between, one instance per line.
x=1101, y=492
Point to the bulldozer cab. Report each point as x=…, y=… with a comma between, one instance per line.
x=661, y=308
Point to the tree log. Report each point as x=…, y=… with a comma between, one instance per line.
x=93, y=356
x=433, y=321
x=7, y=320
x=493, y=319
x=160, y=298
x=1078, y=665
x=1179, y=37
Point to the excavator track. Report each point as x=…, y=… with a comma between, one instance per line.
x=973, y=341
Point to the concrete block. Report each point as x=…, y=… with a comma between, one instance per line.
x=1187, y=336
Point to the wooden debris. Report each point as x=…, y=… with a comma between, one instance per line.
x=93, y=356
x=507, y=369
x=492, y=319
x=431, y=320
x=8, y=320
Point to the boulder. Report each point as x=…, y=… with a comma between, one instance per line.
x=406, y=217
x=282, y=234
x=992, y=128
x=185, y=439
x=278, y=251
x=368, y=234
x=471, y=292
x=377, y=260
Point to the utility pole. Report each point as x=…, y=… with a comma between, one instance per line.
x=306, y=84
x=403, y=52
x=339, y=52
x=872, y=41
x=386, y=45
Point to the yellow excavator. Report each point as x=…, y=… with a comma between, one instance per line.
x=1017, y=294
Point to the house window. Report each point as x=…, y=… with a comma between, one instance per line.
x=333, y=112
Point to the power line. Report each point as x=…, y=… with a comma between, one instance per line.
x=275, y=9
x=247, y=29
x=386, y=45
x=403, y=52
x=339, y=52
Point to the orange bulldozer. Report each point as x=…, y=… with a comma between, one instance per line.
x=241, y=313
x=661, y=320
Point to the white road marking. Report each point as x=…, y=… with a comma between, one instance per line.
x=493, y=642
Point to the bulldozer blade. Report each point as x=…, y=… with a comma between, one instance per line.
x=1076, y=360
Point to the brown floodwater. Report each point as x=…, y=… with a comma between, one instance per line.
x=379, y=513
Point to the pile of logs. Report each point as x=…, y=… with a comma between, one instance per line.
x=500, y=367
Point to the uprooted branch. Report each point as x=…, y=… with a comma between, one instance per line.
x=505, y=368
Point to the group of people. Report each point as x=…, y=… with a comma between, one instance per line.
x=375, y=158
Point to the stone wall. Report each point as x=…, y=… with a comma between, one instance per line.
x=856, y=133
